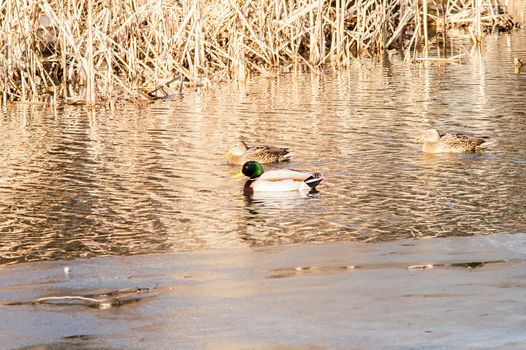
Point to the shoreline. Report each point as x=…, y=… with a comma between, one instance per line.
x=461, y=291
x=94, y=54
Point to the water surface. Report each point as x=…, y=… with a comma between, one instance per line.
x=143, y=179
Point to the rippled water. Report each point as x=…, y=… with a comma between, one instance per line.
x=142, y=179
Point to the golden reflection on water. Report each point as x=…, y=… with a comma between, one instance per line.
x=151, y=179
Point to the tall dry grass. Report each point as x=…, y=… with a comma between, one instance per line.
x=93, y=51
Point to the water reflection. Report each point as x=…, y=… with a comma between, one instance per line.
x=144, y=179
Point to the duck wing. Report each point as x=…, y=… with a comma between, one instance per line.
x=462, y=142
x=290, y=179
x=278, y=185
x=285, y=174
x=268, y=154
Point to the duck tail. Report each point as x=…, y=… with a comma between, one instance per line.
x=286, y=156
x=485, y=144
x=314, y=180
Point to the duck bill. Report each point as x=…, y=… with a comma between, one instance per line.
x=420, y=138
x=227, y=154
x=237, y=175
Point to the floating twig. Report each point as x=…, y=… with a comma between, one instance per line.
x=102, y=300
x=152, y=95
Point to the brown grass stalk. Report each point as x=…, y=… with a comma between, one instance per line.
x=99, y=52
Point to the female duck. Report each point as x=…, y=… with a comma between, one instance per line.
x=434, y=142
x=241, y=153
x=280, y=180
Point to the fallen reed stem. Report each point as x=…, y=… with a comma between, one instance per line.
x=103, y=300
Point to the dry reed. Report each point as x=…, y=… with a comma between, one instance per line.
x=95, y=51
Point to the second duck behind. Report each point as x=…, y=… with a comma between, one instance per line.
x=241, y=153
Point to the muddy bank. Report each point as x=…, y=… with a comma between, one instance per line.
x=430, y=293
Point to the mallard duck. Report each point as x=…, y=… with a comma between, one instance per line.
x=280, y=180
x=434, y=142
x=241, y=153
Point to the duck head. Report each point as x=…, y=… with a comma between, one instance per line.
x=251, y=169
x=430, y=135
x=237, y=150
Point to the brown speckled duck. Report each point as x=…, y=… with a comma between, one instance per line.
x=241, y=153
x=434, y=142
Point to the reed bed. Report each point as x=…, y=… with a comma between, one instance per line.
x=91, y=51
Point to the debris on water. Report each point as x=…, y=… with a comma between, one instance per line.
x=304, y=268
x=476, y=264
x=100, y=300
x=467, y=265
x=423, y=266
x=104, y=306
